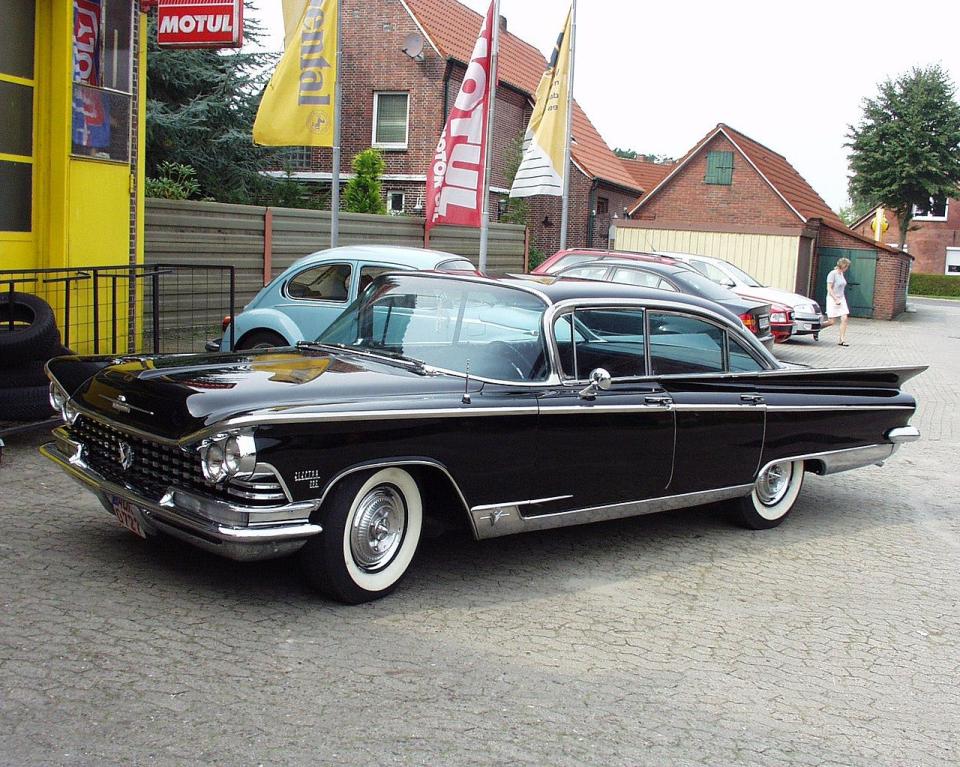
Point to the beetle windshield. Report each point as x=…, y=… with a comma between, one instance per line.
x=453, y=325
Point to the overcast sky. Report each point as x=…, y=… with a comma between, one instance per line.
x=658, y=76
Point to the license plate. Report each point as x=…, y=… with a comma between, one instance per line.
x=128, y=515
x=764, y=323
x=804, y=326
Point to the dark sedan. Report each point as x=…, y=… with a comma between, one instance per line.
x=496, y=405
x=677, y=276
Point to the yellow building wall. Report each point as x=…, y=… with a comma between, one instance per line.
x=771, y=259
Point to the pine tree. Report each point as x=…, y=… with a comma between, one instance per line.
x=906, y=149
x=362, y=192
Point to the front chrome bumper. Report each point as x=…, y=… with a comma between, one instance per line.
x=230, y=530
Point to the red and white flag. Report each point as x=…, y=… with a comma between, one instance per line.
x=455, y=181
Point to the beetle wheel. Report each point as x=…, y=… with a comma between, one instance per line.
x=371, y=528
x=774, y=494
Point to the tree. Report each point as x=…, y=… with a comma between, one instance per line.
x=632, y=154
x=362, y=192
x=853, y=212
x=200, y=110
x=516, y=209
x=905, y=150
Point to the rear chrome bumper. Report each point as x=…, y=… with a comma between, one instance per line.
x=237, y=532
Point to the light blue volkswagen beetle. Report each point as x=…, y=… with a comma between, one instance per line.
x=305, y=298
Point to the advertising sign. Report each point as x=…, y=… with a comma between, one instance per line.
x=200, y=23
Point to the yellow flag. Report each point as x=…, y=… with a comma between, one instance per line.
x=542, y=168
x=297, y=108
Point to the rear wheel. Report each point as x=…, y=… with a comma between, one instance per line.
x=371, y=529
x=774, y=494
x=261, y=339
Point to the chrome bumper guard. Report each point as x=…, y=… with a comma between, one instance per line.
x=233, y=531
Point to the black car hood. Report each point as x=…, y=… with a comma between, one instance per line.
x=176, y=395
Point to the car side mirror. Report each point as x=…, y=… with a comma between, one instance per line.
x=599, y=380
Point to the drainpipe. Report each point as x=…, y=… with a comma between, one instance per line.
x=592, y=211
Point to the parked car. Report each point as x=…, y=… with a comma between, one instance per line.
x=806, y=317
x=500, y=405
x=311, y=293
x=675, y=276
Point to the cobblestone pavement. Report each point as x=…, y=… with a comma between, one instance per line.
x=673, y=639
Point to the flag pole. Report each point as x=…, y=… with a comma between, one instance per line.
x=494, y=76
x=569, y=136
x=335, y=174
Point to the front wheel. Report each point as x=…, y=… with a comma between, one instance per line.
x=773, y=496
x=371, y=529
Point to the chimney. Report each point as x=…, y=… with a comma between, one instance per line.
x=503, y=24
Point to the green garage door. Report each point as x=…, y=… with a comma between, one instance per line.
x=861, y=277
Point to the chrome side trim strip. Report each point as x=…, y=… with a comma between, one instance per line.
x=520, y=503
x=834, y=461
x=826, y=408
x=497, y=521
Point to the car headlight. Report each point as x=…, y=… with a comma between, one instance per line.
x=778, y=317
x=228, y=455
x=70, y=412
x=58, y=397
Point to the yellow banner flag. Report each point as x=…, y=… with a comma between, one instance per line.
x=541, y=168
x=297, y=108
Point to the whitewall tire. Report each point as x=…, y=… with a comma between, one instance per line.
x=371, y=529
x=774, y=494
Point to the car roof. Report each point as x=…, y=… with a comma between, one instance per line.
x=657, y=267
x=630, y=255
x=686, y=256
x=416, y=258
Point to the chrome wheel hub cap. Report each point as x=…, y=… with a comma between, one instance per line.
x=377, y=530
x=773, y=483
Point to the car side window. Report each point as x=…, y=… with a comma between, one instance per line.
x=709, y=271
x=680, y=344
x=608, y=338
x=329, y=282
x=585, y=272
x=741, y=361
x=369, y=273
x=664, y=285
x=636, y=277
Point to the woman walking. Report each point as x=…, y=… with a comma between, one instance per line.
x=837, y=300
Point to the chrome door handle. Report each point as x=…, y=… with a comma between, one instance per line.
x=752, y=399
x=658, y=399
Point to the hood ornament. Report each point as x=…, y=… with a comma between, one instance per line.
x=120, y=404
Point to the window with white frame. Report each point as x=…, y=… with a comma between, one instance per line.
x=934, y=210
x=390, y=120
x=395, y=201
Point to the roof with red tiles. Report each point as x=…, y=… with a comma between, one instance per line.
x=782, y=177
x=647, y=174
x=452, y=29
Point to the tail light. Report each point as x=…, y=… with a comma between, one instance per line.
x=226, y=323
x=749, y=322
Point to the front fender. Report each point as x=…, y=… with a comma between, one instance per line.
x=263, y=319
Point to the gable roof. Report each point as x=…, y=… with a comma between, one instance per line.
x=452, y=29
x=779, y=174
x=647, y=174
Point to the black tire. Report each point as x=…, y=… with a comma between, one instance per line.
x=28, y=373
x=34, y=337
x=774, y=494
x=346, y=562
x=261, y=339
x=28, y=403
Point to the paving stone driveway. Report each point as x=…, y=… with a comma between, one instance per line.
x=673, y=639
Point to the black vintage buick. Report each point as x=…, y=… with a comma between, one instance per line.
x=503, y=405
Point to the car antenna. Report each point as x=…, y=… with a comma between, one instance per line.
x=465, y=399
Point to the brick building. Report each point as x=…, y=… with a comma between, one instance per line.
x=735, y=199
x=933, y=238
x=397, y=100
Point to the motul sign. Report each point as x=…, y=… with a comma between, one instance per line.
x=200, y=23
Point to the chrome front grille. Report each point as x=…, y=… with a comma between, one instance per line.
x=150, y=467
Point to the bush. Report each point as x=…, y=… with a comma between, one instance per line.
x=536, y=257
x=362, y=193
x=176, y=182
x=935, y=285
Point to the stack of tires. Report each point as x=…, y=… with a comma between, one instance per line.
x=24, y=350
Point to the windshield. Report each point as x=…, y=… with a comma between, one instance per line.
x=702, y=286
x=742, y=276
x=450, y=324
